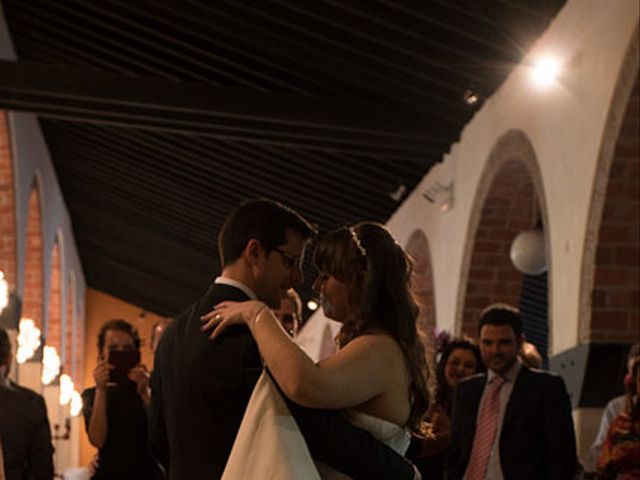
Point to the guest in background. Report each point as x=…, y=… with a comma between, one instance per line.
x=614, y=407
x=290, y=312
x=24, y=426
x=513, y=422
x=460, y=359
x=530, y=356
x=620, y=455
x=115, y=415
x=156, y=332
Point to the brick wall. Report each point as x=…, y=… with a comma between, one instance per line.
x=54, y=327
x=68, y=329
x=422, y=278
x=7, y=207
x=79, y=351
x=616, y=292
x=508, y=209
x=422, y=286
x=32, y=301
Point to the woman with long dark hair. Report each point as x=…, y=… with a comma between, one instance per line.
x=379, y=372
x=460, y=358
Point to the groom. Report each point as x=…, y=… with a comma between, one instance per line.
x=200, y=388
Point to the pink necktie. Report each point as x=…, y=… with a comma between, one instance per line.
x=486, y=427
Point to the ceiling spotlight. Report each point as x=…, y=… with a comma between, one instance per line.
x=399, y=193
x=312, y=305
x=440, y=195
x=470, y=98
x=545, y=71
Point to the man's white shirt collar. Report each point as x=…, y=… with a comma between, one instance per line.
x=510, y=376
x=234, y=283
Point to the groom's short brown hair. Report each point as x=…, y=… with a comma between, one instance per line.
x=265, y=220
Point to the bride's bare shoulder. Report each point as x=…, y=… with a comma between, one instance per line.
x=379, y=339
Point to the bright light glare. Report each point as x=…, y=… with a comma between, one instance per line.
x=76, y=404
x=312, y=305
x=66, y=389
x=546, y=71
x=28, y=340
x=4, y=292
x=50, y=365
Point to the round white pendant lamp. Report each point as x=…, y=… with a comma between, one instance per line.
x=528, y=252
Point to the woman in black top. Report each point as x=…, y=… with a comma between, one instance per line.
x=115, y=415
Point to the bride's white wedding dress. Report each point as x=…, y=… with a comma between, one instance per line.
x=269, y=444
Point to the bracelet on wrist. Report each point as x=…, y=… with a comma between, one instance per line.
x=256, y=317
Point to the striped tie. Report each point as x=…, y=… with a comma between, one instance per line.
x=486, y=427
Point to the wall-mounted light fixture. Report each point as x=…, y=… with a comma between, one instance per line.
x=28, y=340
x=441, y=195
x=545, y=71
x=76, y=404
x=66, y=434
x=69, y=395
x=50, y=365
x=4, y=292
x=66, y=389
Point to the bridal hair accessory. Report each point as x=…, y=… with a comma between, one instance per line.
x=356, y=240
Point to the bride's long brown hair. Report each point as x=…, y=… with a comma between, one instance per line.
x=377, y=273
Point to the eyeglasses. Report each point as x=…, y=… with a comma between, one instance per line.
x=291, y=261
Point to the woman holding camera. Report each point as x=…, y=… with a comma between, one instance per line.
x=114, y=410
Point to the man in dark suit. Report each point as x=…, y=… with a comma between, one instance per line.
x=24, y=426
x=200, y=388
x=531, y=435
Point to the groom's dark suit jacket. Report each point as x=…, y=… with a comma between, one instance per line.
x=200, y=389
x=537, y=439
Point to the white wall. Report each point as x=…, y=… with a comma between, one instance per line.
x=565, y=125
x=32, y=162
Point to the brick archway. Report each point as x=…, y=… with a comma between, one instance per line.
x=616, y=282
x=509, y=208
x=422, y=279
x=33, y=285
x=69, y=329
x=609, y=308
x=510, y=198
x=54, y=329
x=7, y=206
x=79, y=340
x=417, y=248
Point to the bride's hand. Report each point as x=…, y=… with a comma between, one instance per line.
x=228, y=313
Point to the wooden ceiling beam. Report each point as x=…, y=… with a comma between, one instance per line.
x=225, y=112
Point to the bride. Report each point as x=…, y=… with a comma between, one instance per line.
x=379, y=372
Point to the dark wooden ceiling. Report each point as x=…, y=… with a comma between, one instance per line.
x=162, y=116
